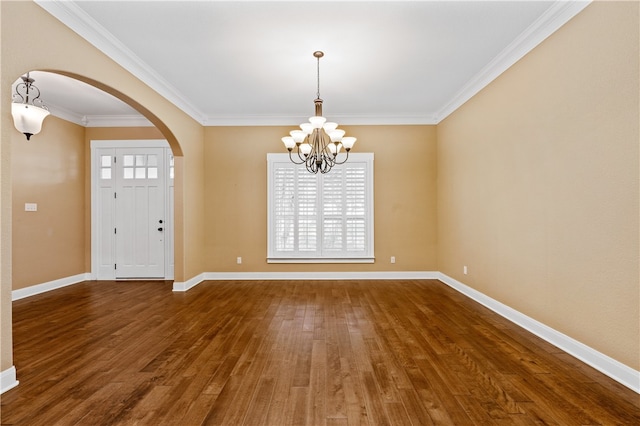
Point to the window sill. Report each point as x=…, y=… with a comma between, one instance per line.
x=321, y=260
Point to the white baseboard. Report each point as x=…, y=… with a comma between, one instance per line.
x=379, y=275
x=382, y=275
x=189, y=284
x=619, y=372
x=8, y=379
x=48, y=286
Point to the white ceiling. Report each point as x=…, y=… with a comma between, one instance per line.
x=251, y=63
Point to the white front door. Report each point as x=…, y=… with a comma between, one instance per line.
x=139, y=213
x=132, y=219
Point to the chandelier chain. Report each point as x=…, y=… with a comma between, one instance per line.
x=318, y=92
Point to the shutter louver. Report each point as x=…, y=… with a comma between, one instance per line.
x=307, y=211
x=355, y=208
x=333, y=211
x=284, y=208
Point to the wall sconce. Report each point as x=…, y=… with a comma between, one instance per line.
x=27, y=116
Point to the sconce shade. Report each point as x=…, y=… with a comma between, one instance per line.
x=28, y=118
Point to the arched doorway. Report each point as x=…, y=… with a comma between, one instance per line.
x=102, y=116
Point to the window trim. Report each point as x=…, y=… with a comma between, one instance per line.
x=369, y=257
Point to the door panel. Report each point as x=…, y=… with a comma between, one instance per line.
x=104, y=215
x=139, y=213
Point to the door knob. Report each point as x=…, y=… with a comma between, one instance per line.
x=159, y=229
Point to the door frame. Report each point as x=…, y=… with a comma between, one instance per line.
x=168, y=207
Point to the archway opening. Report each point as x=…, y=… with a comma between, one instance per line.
x=52, y=174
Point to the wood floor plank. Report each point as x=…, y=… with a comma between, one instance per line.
x=353, y=392
x=258, y=409
x=373, y=400
x=317, y=405
x=281, y=353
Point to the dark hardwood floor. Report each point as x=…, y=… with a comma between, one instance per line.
x=292, y=352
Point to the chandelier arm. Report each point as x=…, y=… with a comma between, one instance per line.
x=37, y=97
x=18, y=87
x=326, y=167
x=312, y=163
x=29, y=88
x=292, y=160
x=345, y=159
x=329, y=159
x=326, y=140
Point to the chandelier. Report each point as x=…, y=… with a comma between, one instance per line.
x=319, y=142
x=27, y=116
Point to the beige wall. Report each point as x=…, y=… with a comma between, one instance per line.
x=54, y=170
x=533, y=184
x=404, y=197
x=54, y=47
x=538, y=184
x=48, y=170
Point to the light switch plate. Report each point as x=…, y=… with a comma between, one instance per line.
x=30, y=207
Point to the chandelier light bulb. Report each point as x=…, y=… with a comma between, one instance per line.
x=329, y=127
x=305, y=148
x=307, y=128
x=289, y=142
x=298, y=135
x=317, y=122
x=334, y=148
x=336, y=135
x=348, y=142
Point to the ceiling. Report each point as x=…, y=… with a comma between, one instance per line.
x=251, y=63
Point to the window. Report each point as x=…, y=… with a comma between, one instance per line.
x=140, y=167
x=320, y=218
x=105, y=167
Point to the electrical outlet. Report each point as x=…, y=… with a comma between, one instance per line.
x=30, y=207
x=464, y=269
x=239, y=260
x=393, y=259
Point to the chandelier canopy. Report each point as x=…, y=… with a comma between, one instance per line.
x=27, y=109
x=318, y=142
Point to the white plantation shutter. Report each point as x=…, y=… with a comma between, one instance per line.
x=284, y=208
x=333, y=212
x=355, y=209
x=320, y=218
x=307, y=205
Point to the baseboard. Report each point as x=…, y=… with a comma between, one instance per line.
x=8, y=379
x=619, y=372
x=256, y=276
x=48, y=286
x=379, y=275
x=189, y=284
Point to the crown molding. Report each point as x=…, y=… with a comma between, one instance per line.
x=65, y=114
x=117, y=121
x=549, y=22
x=79, y=21
x=263, y=120
x=88, y=28
x=133, y=120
